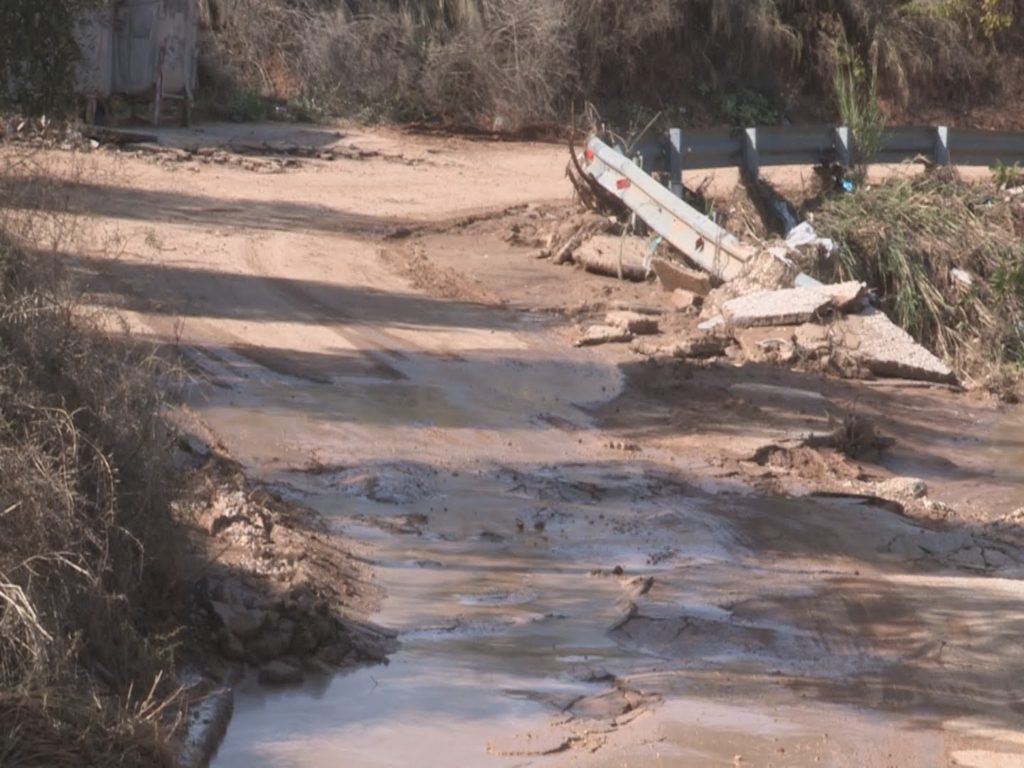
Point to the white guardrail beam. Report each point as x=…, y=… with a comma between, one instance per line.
x=681, y=225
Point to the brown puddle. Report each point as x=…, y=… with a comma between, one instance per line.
x=561, y=602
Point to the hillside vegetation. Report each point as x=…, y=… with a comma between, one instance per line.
x=515, y=62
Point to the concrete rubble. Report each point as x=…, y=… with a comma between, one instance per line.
x=603, y=334
x=684, y=300
x=767, y=313
x=614, y=256
x=633, y=322
x=875, y=342
x=677, y=277
x=767, y=344
x=696, y=347
x=790, y=306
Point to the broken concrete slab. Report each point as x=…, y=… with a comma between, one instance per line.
x=878, y=344
x=767, y=344
x=711, y=324
x=614, y=256
x=812, y=339
x=902, y=488
x=696, y=347
x=846, y=296
x=789, y=306
x=685, y=300
x=603, y=334
x=675, y=276
x=633, y=322
x=636, y=306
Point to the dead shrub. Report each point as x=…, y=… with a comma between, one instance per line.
x=89, y=593
x=528, y=60
x=513, y=65
x=368, y=65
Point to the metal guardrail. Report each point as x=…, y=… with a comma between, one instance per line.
x=701, y=239
x=683, y=226
x=754, y=148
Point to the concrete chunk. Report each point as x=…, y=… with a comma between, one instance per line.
x=603, y=334
x=685, y=300
x=812, y=339
x=711, y=324
x=885, y=349
x=606, y=254
x=634, y=322
x=790, y=306
x=696, y=347
x=674, y=276
x=766, y=344
x=636, y=306
x=708, y=345
x=845, y=296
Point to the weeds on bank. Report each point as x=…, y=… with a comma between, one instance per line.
x=945, y=257
x=855, y=84
x=1007, y=176
x=89, y=594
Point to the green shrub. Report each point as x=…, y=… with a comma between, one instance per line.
x=38, y=53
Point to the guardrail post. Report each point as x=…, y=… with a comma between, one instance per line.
x=675, y=161
x=751, y=158
x=843, y=155
x=942, y=145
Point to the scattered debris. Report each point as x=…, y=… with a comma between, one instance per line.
x=572, y=232
x=622, y=257
x=603, y=334
x=902, y=488
x=634, y=306
x=684, y=300
x=711, y=324
x=812, y=340
x=767, y=344
x=633, y=322
x=770, y=269
x=696, y=347
x=117, y=136
x=962, y=276
x=677, y=277
x=803, y=236
x=281, y=589
x=875, y=342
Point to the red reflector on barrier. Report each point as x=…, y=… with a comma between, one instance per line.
x=622, y=183
x=589, y=154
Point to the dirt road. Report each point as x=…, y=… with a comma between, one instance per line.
x=585, y=557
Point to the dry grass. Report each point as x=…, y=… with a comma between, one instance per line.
x=513, y=62
x=89, y=596
x=912, y=238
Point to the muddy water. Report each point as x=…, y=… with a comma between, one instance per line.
x=559, y=601
x=981, y=469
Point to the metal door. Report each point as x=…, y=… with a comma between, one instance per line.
x=136, y=46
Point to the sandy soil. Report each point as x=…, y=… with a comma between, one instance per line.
x=588, y=558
